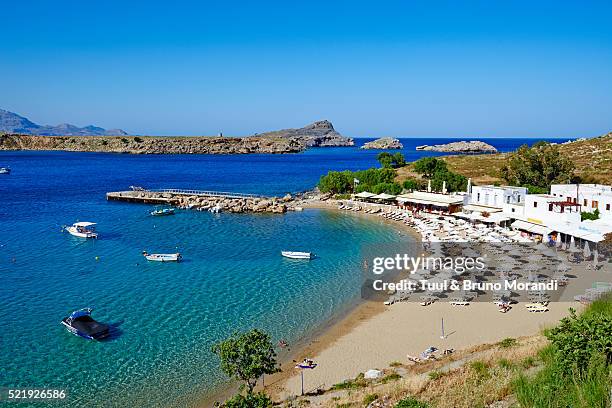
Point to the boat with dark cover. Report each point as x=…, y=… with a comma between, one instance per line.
x=80, y=323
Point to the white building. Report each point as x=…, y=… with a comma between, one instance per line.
x=589, y=196
x=497, y=196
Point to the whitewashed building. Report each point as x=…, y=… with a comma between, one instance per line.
x=591, y=197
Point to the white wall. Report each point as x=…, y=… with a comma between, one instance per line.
x=589, y=196
x=540, y=209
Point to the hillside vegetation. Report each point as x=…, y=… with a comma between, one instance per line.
x=592, y=159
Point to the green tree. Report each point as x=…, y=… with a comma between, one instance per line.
x=388, y=160
x=247, y=356
x=427, y=166
x=336, y=182
x=385, y=159
x=540, y=165
x=399, y=160
x=454, y=181
x=410, y=184
x=389, y=188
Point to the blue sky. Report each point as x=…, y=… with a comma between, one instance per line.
x=387, y=68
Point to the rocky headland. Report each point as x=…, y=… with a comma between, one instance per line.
x=474, y=146
x=151, y=144
x=383, y=143
x=317, y=134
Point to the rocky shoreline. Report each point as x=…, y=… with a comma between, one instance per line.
x=474, y=146
x=151, y=144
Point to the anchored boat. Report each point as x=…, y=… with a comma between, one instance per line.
x=81, y=324
x=162, y=257
x=5, y=170
x=296, y=255
x=162, y=211
x=83, y=229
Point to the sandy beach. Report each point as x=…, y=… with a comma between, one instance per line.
x=362, y=343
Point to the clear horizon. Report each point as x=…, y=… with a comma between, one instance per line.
x=406, y=70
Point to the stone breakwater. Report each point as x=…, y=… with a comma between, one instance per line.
x=152, y=145
x=202, y=202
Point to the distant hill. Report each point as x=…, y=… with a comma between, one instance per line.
x=13, y=123
x=317, y=134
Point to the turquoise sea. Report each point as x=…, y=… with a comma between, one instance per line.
x=166, y=316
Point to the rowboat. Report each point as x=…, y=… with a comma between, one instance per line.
x=83, y=229
x=162, y=257
x=296, y=255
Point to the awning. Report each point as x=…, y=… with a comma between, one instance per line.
x=420, y=201
x=383, y=196
x=365, y=194
x=531, y=227
x=481, y=208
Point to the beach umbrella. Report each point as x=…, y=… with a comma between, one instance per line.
x=429, y=186
x=469, y=185
x=563, y=267
x=534, y=258
x=587, y=250
x=595, y=256
x=444, y=187
x=559, y=241
x=572, y=244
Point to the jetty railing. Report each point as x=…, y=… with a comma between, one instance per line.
x=205, y=193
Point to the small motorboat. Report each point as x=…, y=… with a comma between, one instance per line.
x=162, y=211
x=296, y=255
x=81, y=324
x=162, y=257
x=83, y=229
x=5, y=170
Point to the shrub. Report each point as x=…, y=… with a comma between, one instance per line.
x=505, y=363
x=395, y=364
x=578, y=338
x=507, y=342
x=584, y=215
x=410, y=402
x=388, y=160
x=138, y=139
x=390, y=377
x=434, y=375
x=368, y=399
x=258, y=400
x=480, y=368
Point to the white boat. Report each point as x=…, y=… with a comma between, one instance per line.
x=83, y=229
x=5, y=170
x=162, y=257
x=296, y=255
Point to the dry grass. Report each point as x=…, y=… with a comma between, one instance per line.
x=474, y=377
x=592, y=157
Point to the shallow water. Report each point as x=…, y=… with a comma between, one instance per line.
x=166, y=316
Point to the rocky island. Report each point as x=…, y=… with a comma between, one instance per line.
x=317, y=134
x=383, y=143
x=474, y=146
